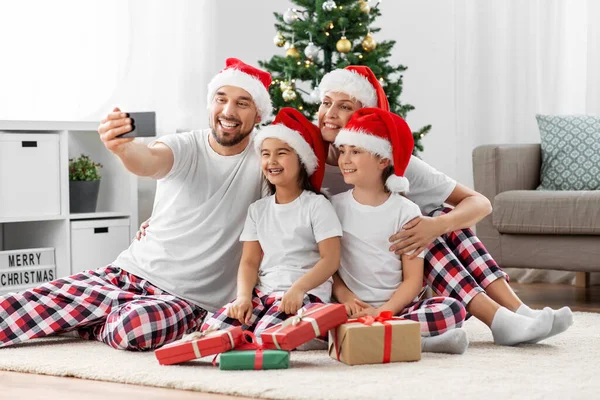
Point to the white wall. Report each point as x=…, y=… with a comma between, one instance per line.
x=160, y=55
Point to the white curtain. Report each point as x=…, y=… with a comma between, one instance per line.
x=518, y=58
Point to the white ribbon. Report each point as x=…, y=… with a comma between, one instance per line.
x=302, y=315
x=213, y=330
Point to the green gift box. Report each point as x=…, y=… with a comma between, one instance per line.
x=254, y=359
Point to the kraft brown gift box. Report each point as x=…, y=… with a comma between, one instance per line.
x=355, y=343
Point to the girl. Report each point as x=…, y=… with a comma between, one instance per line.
x=375, y=147
x=457, y=264
x=291, y=238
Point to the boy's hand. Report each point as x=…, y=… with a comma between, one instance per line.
x=241, y=309
x=291, y=301
x=355, y=306
x=366, y=309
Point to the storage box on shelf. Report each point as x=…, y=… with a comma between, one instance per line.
x=34, y=197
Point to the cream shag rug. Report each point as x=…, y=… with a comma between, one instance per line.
x=563, y=367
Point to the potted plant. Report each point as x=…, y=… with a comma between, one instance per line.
x=84, y=184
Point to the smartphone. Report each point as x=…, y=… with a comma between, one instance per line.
x=143, y=124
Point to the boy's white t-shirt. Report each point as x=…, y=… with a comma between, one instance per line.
x=368, y=268
x=191, y=248
x=289, y=235
x=429, y=188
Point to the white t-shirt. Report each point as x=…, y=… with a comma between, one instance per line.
x=429, y=188
x=368, y=268
x=191, y=247
x=289, y=235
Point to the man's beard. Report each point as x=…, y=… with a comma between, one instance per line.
x=239, y=138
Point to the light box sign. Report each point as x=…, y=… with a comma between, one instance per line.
x=26, y=268
x=26, y=258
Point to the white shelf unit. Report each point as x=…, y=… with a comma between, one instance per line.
x=117, y=199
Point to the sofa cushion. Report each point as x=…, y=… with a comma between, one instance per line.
x=547, y=212
x=570, y=152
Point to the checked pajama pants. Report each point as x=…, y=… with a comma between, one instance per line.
x=436, y=315
x=457, y=264
x=265, y=312
x=108, y=304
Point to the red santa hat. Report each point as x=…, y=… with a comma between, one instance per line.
x=385, y=134
x=303, y=136
x=251, y=79
x=357, y=81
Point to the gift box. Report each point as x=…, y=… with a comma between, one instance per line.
x=254, y=359
x=376, y=340
x=199, y=344
x=303, y=327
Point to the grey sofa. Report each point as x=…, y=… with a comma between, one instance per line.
x=528, y=228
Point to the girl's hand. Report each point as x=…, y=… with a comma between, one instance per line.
x=416, y=235
x=291, y=301
x=355, y=306
x=142, y=231
x=241, y=309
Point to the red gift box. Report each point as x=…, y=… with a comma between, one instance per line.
x=303, y=327
x=199, y=344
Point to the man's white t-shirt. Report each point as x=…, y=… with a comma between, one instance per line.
x=368, y=268
x=191, y=248
x=429, y=188
x=289, y=235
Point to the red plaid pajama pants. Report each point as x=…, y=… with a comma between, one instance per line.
x=458, y=265
x=265, y=312
x=109, y=305
x=436, y=315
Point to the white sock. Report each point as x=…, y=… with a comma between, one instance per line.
x=563, y=318
x=454, y=341
x=509, y=328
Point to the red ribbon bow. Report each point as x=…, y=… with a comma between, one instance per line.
x=249, y=345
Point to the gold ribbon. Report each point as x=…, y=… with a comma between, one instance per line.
x=302, y=315
x=213, y=330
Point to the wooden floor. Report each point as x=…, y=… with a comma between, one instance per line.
x=26, y=386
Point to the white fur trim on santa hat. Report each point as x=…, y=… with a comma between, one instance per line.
x=235, y=77
x=366, y=140
x=397, y=184
x=351, y=83
x=294, y=139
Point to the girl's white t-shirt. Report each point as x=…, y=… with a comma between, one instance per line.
x=429, y=188
x=368, y=268
x=289, y=235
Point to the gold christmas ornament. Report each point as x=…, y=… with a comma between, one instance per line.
x=279, y=40
x=285, y=85
x=292, y=52
x=369, y=44
x=343, y=45
x=364, y=6
x=288, y=95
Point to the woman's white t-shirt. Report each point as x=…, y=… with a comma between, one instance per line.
x=368, y=268
x=289, y=235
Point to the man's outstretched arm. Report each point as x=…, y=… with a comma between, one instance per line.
x=154, y=161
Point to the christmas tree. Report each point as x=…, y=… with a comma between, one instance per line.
x=321, y=35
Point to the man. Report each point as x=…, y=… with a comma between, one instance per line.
x=162, y=286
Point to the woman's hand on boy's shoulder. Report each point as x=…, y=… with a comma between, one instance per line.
x=415, y=236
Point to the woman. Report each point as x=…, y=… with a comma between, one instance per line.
x=456, y=263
